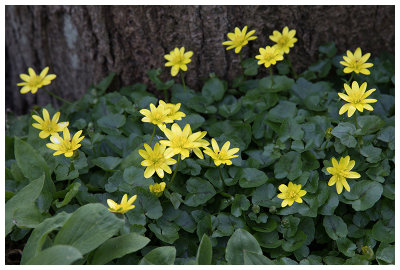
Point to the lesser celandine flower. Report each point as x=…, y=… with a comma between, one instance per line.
x=156, y=160
x=180, y=141
x=239, y=39
x=177, y=60
x=222, y=156
x=269, y=56
x=174, y=113
x=48, y=126
x=356, y=98
x=356, y=62
x=156, y=115
x=340, y=171
x=285, y=40
x=33, y=82
x=203, y=143
x=124, y=206
x=157, y=189
x=290, y=194
x=65, y=145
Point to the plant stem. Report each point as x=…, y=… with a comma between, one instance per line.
x=57, y=97
x=166, y=95
x=227, y=195
x=176, y=169
x=183, y=80
x=349, y=81
x=152, y=136
x=220, y=175
x=271, y=74
x=355, y=120
x=292, y=69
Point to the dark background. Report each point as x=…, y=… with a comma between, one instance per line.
x=82, y=44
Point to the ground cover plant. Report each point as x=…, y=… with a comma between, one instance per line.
x=272, y=168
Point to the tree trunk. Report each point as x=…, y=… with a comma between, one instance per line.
x=82, y=44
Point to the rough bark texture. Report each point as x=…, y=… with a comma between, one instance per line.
x=82, y=44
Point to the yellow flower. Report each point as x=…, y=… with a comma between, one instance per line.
x=125, y=205
x=269, y=56
x=157, y=189
x=177, y=59
x=356, y=98
x=156, y=115
x=157, y=160
x=239, y=39
x=340, y=171
x=65, y=145
x=222, y=156
x=203, y=143
x=356, y=62
x=284, y=40
x=181, y=142
x=290, y=194
x=174, y=113
x=33, y=82
x=48, y=126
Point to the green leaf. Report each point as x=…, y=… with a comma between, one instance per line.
x=148, y=202
x=357, y=260
x=335, y=227
x=200, y=191
x=250, y=177
x=279, y=83
x=328, y=49
x=88, y=227
x=344, y=131
x=346, y=246
x=160, y=256
x=385, y=254
x=25, y=196
x=32, y=166
x=290, y=129
x=39, y=235
x=239, y=204
x=119, y=246
x=282, y=111
x=370, y=124
x=364, y=194
x=295, y=242
x=204, y=252
x=105, y=83
x=383, y=233
x=107, y=163
x=263, y=195
x=111, y=123
x=252, y=258
x=72, y=191
x=56, y=255
x=213, y=88
x=27, y=216
x=321, y=67
x=154, y=75
x=250, y=67
x=373, y=154
x=289, y=166
x=240, y=242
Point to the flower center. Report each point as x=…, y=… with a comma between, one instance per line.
x=292, y=194
x=239, y=40
x=35, y=81
x=356, y=65
x=283, y=40
x=178, y=60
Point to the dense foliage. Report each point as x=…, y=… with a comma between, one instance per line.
x=286, y=130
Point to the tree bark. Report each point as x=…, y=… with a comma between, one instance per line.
x=82, y=44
